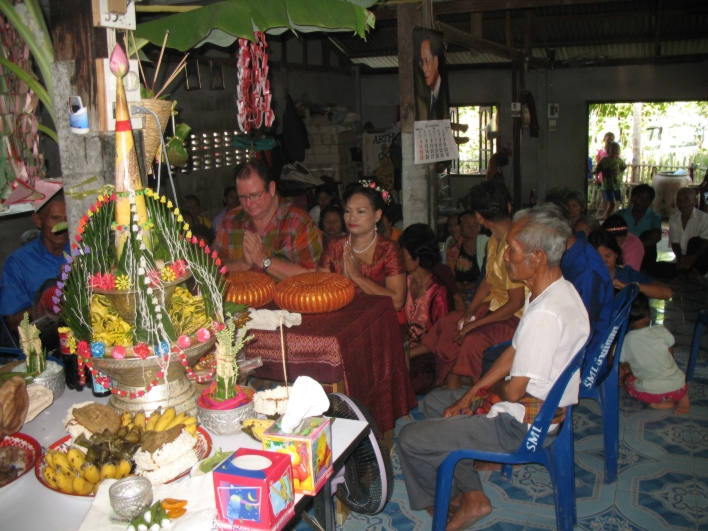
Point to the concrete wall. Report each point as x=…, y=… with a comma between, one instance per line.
x=557, y=158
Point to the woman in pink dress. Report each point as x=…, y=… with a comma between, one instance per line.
x=426, y=303
x=632, y=247
x=374, y=263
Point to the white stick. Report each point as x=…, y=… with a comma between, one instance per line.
x=282, y=346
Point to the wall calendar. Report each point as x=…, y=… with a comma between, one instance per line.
x=434, y=142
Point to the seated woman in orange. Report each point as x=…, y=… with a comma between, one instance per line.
x=374, y=263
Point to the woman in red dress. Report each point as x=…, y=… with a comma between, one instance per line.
x=374, y=263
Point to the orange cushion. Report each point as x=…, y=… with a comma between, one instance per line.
x=314, y=293
x=251, y=288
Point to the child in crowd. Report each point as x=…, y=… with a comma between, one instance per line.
x=612, y=167
x=652, y=376
x=323, y=195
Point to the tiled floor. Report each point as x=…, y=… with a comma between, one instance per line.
x=663, y=478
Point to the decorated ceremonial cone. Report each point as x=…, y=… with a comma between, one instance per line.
x=127, y=170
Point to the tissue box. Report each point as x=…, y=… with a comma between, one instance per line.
x=254, y=490
x=310, y=448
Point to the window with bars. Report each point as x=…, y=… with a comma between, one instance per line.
x=477, y=150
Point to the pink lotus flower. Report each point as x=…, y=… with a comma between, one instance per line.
x=119, y=62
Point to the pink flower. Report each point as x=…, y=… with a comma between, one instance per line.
x=118, y=352
x=203, y=335
x=214, y=255
x=372, y=185
x=119, y=62
x=183, y=342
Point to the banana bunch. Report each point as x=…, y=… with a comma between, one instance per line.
x=256, y=426
x=169, y=419
x=70, y=473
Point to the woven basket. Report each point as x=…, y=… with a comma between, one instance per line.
x=251, y=288
x=314, y=293
x=151, y=134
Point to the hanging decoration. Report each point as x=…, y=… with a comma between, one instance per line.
x=253, y=86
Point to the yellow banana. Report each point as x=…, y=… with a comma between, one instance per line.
x=154, y=418
x=76, y=458
x=49, y=458
x=60, y=461
x=123, y=469
x=126, y=418
x=108, y=471
x=165, y=419
x=81, y=486
x=191, y=429
x=65, y=483
x=49, y=475
x=179, y=419
x=189, y=420
x=139, y=419
x=91, y=473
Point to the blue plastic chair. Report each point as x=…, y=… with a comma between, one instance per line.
x=701, y=321
x=601, y=384
x=557, y=457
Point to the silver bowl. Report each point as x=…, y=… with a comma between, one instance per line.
x=55, y=382
x=134, y=374
x=131, y=496
x=226, y=421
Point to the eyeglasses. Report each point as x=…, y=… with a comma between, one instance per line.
x=251, y=197
x=424, y=63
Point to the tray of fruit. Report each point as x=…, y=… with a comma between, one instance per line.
x=163, y=448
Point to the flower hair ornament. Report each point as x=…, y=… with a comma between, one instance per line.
x=385, y=195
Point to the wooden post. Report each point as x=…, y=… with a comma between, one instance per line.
x=516, y=132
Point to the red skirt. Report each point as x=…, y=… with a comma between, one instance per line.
x=465, y=359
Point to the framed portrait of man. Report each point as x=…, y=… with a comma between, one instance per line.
x=432, y=101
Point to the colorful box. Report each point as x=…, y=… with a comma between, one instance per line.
x=254, y=490
x=310, y=447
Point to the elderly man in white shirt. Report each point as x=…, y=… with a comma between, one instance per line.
x=688, y=236
x=554, y=327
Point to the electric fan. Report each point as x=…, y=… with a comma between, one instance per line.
x=365, y=482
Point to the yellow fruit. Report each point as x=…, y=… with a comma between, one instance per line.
x=139, y=419
x=167, y=417
x=65, y=483
x=60, y=461
x=76, y=458
x=123, y=469
x=189, y=420
x=152, y=421
x=95, y=487
x=108, y=471
x=81, y=486
x=126, y=418
x=90, y=473
x=49, y=458
x=49, y=475
x=191, y=429
x=179, y=419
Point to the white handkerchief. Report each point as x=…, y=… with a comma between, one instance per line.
x=307, y=399
x=270, y=319
x=198, y=491
x=40, y=398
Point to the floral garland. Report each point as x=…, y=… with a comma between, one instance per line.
x=385, y=195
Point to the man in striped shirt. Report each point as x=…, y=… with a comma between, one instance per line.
x=265, y=233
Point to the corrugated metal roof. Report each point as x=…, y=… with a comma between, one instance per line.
x=609, y=30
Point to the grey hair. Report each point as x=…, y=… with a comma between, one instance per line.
x=547, y=229
x=577, y=196
x=590, y=221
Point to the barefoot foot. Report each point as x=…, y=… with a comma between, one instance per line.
x=683, y=406
x=473, y=507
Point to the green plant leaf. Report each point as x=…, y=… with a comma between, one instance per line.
x=239, y=18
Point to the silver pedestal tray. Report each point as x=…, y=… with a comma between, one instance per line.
x=226, y=421
x=134, y=374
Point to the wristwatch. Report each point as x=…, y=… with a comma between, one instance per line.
x=266, y=265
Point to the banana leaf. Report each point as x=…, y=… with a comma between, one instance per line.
x=223, y=22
